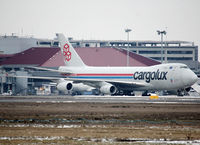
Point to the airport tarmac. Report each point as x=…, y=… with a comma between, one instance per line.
x=102, y=99
x=99, y=120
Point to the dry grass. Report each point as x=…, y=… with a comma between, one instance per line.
x=99, y=111
x=149, y=121
x=71, y=135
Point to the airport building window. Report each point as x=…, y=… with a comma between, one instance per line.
x=150, y=52
x=156, y=58
x=179, y=52
x=179, y=58
x=45, y=43
x=55, y=44
x=134, y=51
x=87, y=45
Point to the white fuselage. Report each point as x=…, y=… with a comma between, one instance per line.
x=159, y=77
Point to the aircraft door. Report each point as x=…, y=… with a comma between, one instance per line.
x=175, y=76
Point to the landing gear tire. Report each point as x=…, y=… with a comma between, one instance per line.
x=128, y=93
x=145, y=93
x=180, y=93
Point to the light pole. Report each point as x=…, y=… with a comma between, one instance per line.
x=127, y=31
x=161, y=34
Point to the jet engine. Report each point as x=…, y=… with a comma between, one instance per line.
x=75, y=87
x=108, y=89
x=65, y=86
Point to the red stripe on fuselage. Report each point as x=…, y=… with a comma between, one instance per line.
x=97, y=74
x=104, y=74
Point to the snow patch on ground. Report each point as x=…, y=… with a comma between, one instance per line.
x=107, y=140
x=33, y=138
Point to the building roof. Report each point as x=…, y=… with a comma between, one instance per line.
x=55, y=61
x=6, y=55
x=103, y=57
x=32, y=56
x=51, y=57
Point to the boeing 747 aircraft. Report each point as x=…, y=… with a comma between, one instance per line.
x=124, y=80
x=112, y=80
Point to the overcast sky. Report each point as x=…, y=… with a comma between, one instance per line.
x=102, y=19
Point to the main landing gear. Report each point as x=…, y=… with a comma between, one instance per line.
x=145, y=93
x=128, y=93
x=183, y=92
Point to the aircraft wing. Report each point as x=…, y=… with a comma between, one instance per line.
x=117, y=83
x=125, y=84
x=92, y=82
x=54, y=79
x=47, y=69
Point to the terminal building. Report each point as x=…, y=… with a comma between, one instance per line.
x=18, y=52
x=173, y=51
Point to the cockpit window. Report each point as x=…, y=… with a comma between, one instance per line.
x=184, y=67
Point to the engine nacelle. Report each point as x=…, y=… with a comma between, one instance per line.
x=80, y=87
x=108, y=89
x=65, y=86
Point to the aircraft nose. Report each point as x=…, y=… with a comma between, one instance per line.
x=190, y=78
x=194, y=78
